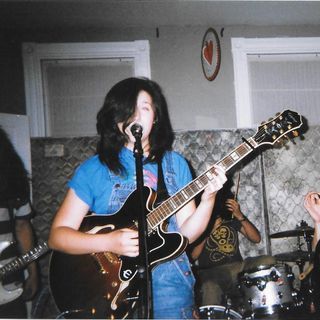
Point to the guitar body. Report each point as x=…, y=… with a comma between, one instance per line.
x=6, y=295
x=105, y=285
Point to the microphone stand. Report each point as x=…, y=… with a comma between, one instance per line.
x=143, y=267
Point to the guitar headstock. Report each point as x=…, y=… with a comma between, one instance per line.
x=283, y=124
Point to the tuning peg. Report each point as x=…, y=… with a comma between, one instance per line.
x=295, y=133
x=278, y=114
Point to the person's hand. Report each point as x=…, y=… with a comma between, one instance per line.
x=124, y=242
x=234, y=207
x=215, y=184
x=30, y=287
x=312, y=205
x=217, y=223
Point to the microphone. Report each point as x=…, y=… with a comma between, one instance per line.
x=136, y=130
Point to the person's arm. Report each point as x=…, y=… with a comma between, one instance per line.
x=25, y=239
x=196, y=251
x=316, y=235
x=193, y=220
x=247, y=228
x=312, y=205
x=65, y=235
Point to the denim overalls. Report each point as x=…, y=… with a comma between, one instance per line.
x=172, y=281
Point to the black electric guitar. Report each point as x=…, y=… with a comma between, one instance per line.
x=14, y=265
x=105, y=285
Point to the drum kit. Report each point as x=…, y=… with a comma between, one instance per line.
x=268, y=291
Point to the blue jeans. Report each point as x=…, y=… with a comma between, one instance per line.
x=173, y=290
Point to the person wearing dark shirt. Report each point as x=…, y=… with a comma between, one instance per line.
x=219, y=260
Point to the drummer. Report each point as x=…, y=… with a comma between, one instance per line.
x=218, y=257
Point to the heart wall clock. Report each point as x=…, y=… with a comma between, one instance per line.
x=210, y=54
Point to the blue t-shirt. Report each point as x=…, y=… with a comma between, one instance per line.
x=105, y=192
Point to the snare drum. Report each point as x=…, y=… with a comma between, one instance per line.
x=218, y=312
x=267, y=288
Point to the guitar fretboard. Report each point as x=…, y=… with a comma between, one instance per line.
x=23, y=260
x=178, y=200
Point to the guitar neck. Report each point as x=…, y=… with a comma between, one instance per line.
x=182, y=197
x=23, y=260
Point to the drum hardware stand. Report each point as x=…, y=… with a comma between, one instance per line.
x=308, y=291
x=227, y=307
x=251, y=306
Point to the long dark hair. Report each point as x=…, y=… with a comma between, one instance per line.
x=119, y=106
x=220, y=209
x=14, y=180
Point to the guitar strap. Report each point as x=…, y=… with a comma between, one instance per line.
x=162, y=192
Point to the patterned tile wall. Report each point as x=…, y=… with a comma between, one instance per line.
x=271, y=189
x=203, y=148
x=289, y=174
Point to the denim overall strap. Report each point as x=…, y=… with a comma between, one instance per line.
x=120, y=191
x=162, y=192
x=173, y=281
x=172, y=186
x=169, y=173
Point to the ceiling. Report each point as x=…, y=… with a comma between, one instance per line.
x=84, y=14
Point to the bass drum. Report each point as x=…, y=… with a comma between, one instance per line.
x=218, y=312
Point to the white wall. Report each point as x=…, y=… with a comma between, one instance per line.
x=194, y=102
x=17, y=128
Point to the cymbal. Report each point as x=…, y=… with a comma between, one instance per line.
x=294, y=256
x=299, y=231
